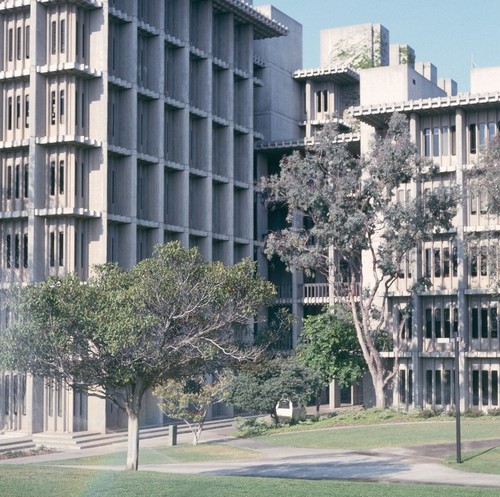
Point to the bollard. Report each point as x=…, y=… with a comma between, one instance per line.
x=172, y=435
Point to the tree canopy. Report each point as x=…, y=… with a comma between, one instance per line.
x=349, y=207
x=328, y=345
x=261, y=386
x=125, y=331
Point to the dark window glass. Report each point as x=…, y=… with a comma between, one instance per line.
x=475, y=387
x=447, y=386
x=437, y=387
x=494, y=388
x=472, y=139
x=475, y=322
x=484, y=388
x=428, y=323
x=484, y=323
x=428, y=386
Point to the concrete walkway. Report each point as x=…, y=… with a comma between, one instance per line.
x=402, y=465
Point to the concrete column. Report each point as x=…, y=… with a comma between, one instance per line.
x=334, y=389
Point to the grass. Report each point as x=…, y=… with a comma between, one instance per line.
x=387, y=435
x=481, y=461
x=168, y=455
x=40, y=481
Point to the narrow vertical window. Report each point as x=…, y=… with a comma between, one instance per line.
x=410, y=386
x=428, y=386
x=52, y=179
x=82, y=250
x=447, y=323
x=61, y=248
x=428, y=262
x=484, y=388
x=447, y=386
x=27, y=42
x=22, y=387
x=318, y=101
x=59, y=398
x=62, y=36
x=83, y=40
x=446, y=262
x=494, y=388
x=9, y=113
x=53, y=37
x=453, y=140
x=473, y=261
x=61, y=177
x=482, y=134
x=484, y=323
x=472, y=139
x=50, y=397
x=437, y=263
x=61, y=106
x=77, y=38
x=26, y=180
x=475, y=323
x=428, y=323
x=493, y=322
x=9, y=182
x=83, y=110
x=52, y=107
x=427, y=142
x=325, y=101
x=17, y=251
x=445, y=137
x=475, y=387
x=455, y=260
x=17, y=181
x=26, y=111
x=10, y=43
x=483, y=264
x=52, y=248
x=435, y=142
x=77, y=102
x=8, y=253
x=437, y=387
x=19, y=43
x=18, y=111
x=25, y=250
x=492, y=130
x=437, y=322
x=402, y=386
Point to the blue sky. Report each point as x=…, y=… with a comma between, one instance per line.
x=452, y=34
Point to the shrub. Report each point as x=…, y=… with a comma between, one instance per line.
x=495, y=411
x=472, y=412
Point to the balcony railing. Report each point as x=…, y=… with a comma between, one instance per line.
x=314, y=293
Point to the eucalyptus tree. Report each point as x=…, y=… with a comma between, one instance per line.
x=349, y=207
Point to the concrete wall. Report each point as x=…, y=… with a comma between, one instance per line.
x=484, y=79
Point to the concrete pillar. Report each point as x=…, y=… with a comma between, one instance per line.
x=334, y=389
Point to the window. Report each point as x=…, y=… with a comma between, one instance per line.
x=19, y=43
x=484, y=323
x=435, y=142
x=428, y=262
x=475, y=323
x=492, y=130
x=484, y=387
x=26, y=111
x=447, y=323
x=472, y=139
x=26, y=180
x=428, y=323
x=437, y=387
x=402, y=386
x=494, y=322
x=61, y=248
x=9, y=113
x=482, y=134
x=455, y=260
x=17, y=181
x=445, y=140
x=25, y=250
x=62, y=36
x=427, y=142
x=61, y=106
x=447, y=386
x=437, y=263
x=61, y=177
x=52, y=248
x=18, y=111
x=473, y=261
x=52, y=179
x=494, y=388
x=325, y=101
x=52, y=107
x=437, y=322
x=475, y=387
x=10, y=42
x=483, y=252
x=53, y=38
x=428, y=386
x=27, y=42
x=6, y=394
x=446, y=262
x=9, y=182
x=8, y=241
x=17, y=251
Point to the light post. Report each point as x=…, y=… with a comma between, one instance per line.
x=456, y=343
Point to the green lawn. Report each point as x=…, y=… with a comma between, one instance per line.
x=40, y=481
x=387, y=435
x=169, y=455
x=481, y=461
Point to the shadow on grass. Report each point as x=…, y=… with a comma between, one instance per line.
x=364, y=468
x=479, y=454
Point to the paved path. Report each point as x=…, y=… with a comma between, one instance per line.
x=404, y=465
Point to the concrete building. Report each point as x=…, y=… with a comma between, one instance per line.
x=131, y=123
x=125, y=124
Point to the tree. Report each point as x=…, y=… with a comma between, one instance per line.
x=348, y=205
x=190, y=400
x=261, y=386
x=329, y=346
x=126, y=331
x=486, y=175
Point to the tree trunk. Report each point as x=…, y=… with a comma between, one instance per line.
x=133, y=441
x=379, y=388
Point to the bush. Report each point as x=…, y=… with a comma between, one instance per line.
x=495, y=411
x=472, y=412
x=427, y=413
x=251, y=427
